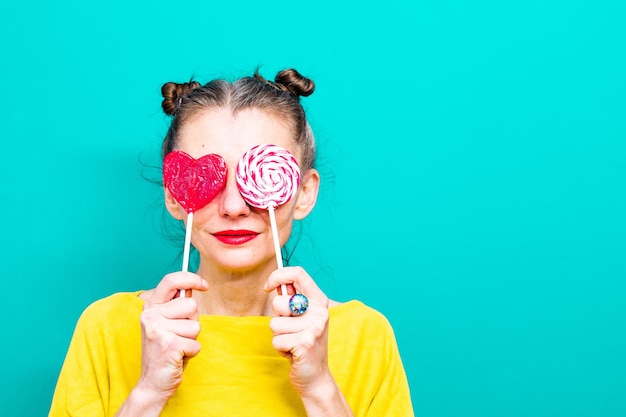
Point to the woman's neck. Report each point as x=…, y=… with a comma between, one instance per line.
x=234, y=293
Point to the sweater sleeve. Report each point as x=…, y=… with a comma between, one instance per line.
x=82, y=387
x=103, y=361
x=365, y=361
x=393, y=396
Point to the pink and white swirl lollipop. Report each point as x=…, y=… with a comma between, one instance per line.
x=268, y=176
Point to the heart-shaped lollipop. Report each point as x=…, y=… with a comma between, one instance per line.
x=194, y=182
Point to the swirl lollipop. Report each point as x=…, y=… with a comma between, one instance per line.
x=268, y=176
x=193, y=183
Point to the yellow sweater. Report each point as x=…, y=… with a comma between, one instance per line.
x=236, y=373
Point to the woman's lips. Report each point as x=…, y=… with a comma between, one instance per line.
x=235, y=237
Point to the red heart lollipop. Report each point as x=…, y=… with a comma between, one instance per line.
x=194, y=182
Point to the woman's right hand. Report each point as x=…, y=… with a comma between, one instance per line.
x=169, y=328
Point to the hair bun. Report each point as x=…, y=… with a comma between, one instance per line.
x=173, y=94
x=294, y=82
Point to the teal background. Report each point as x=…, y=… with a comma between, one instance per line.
x=473, y=158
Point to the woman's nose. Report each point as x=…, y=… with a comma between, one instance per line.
x=231, y=203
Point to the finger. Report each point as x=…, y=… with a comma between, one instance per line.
x=170, y=285
x=295, y=344
x=301, y=281
x=189, y=329
x=178, y=308
x=284, y=343
x=189, y=347
x=284, y=325
x=314, y=321
x=156, y=326
x=292, y=305
x=289, y=287
x=188, y=293
x=280, y=306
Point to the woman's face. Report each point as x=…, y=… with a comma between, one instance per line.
x=228, y=233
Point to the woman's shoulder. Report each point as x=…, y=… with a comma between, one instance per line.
x=353, y=307
x=362, y=333
x=357, y=315
x=117, y=306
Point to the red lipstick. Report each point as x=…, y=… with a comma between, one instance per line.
x=235, y=237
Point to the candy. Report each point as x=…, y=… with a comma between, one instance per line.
x=268, y=176
x=194, y=182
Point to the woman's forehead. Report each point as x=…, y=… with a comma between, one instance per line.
x=230, y=135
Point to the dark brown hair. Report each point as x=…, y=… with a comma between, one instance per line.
x=280, y=98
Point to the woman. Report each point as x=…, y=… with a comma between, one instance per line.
x=234, y=348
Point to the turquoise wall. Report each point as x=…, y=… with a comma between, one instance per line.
x=473, y=155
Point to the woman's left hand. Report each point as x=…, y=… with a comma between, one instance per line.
x=302, y=339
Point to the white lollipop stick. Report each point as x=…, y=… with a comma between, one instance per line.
x=279, y=258
x=268, y=176
x=193, y=183
x=187, y=248
x=187, y=242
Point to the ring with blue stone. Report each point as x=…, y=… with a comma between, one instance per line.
x=298, y=304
